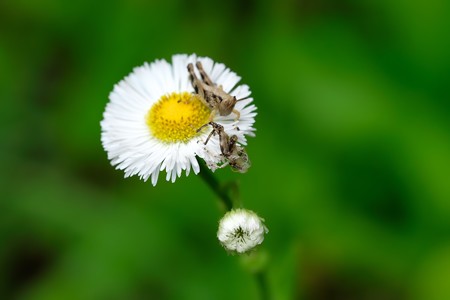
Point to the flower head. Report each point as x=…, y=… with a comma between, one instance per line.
x=241, y=230
x=151, y=121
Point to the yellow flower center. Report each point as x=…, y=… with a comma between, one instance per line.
x=176, y=117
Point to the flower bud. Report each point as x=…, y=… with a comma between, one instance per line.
x=241, y=230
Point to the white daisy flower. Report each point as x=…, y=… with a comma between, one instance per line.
x=151, y=121
x=241, y=230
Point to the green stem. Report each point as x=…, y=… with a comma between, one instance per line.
x=214, y=184
x=229, y=195
x=261, y=280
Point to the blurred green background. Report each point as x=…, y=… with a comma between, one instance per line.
x=351, y=162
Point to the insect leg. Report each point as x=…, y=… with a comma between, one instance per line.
x=215, y=129
x=196, y=83
x=203, y=126
x=205, y=76
x=232, y=142
x=210, y=135
x=237, y=113
x=213, y=113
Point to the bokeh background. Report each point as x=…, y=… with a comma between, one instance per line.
x=351, y=162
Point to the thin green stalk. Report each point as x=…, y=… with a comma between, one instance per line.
x=261, y=280
x=214, y=184
x=229, y=195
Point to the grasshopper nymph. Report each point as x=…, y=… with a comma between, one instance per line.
x=216, y=98
x=234, y=154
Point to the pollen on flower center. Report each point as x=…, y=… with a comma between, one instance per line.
x=177, y=116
